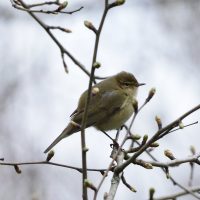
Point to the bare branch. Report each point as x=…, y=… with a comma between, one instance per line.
x=174, y=163
x=17, y=4
x=176, y=129
x=174, y=196
x=85, y=114
x=50, y=163
x=66, y=30
x=155, y=137
x=61, y=47
x=116, y=177
x=126, y=184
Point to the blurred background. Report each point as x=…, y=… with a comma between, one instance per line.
x=156, y=40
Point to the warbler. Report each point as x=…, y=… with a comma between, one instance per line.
x=111, y=105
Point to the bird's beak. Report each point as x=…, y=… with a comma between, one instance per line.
x=140, y=84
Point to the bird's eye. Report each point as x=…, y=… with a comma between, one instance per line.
x=126, y=84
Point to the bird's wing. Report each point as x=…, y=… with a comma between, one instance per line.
x=73, y=113
x=101, y=106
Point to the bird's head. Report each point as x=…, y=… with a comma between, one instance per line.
x=127, y=80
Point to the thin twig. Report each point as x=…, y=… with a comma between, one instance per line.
x=179, y=194
x=174, y=163
x=50, y=163
x=61, y=47
x=155, y=137
x=43, y=3
x=176, y=129
x=85, y=114
x=126, y=184
x=116, y=177
x=46, y=11
x=17, y=4
x=66, y=30
x=170, y=177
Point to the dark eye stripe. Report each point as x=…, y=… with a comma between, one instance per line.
x=127, y=83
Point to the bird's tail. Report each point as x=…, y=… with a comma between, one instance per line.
x=70, y=129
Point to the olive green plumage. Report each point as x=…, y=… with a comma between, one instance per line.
x=111, y=105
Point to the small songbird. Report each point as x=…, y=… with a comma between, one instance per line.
x=110, y=106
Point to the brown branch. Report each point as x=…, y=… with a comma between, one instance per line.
x=54, y=12
x=18, y=5
x=154, y=138
x=176, y=129
x=50, y=163
x=61, y=47
x=164, y=169
x=43, y=3
x=66, y=30
x=126, y=184
x=174, y=163
x=64, y=63
x=116, y=177
x=85, y=114
x=174, y=196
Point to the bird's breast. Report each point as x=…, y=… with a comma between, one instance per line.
x=117, y=118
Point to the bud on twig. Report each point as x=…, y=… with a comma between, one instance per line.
x=193, y=150
x=147, y=165
x=17, y=169
x=159, y=122
x=88, y=184
x=181, y=125
x=95, y=90
x=144, y=164
x=151, y=94
x=144, y=140
x=89, y=25
x=169, y=154
x=66, y=30
x=97, y=65
x=120, y=2
x=135, y=105
x=62, y=6
x=135, y=137
x=85, y=149
x=50, y=155
x=167, y=172
x=155, y=144
x=133, y=189
x=151, y=193
x=116, y=3
x=127, y=184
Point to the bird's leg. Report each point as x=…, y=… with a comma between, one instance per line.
x=117, y=134
x=126, y=127
x=115, y=146
x=113, y=140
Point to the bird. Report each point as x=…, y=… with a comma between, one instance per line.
x=111, y=105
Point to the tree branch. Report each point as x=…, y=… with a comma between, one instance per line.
x=179, y=194
x=61, y=47
x=154, y=138
x=50, y=163
x=174, y=163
